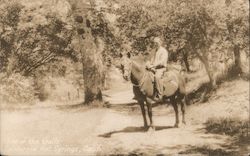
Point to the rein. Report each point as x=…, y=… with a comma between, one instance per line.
x=141, y=83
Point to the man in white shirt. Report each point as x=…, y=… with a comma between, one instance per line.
x=159, y=64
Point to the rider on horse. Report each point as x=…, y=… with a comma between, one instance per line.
x=158, y=64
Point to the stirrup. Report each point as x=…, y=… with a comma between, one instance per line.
x=157, y=97
x=134, y=98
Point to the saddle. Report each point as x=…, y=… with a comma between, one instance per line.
x=169, y=83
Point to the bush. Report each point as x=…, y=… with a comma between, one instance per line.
x=16, y=89
x=228, y=126
x=57, y=89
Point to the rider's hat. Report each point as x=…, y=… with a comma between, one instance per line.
x=158, y=40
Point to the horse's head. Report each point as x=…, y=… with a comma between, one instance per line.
x=126, y=65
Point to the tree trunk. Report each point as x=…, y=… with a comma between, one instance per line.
x=11, y=64
x=185, y=59
x=236, y=69
x=93, y=73
x=92, y=95
x=212, y=81
x=205, y=62
x=91, y=56
x=92, y=78
x=92, y=84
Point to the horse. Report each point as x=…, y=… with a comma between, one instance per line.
x=143, y=89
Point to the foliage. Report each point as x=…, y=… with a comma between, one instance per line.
x=24, y=49
x=214, y=32
x=230, y=39
x=229, y=126
x=190, y=29
x=57, y=89
x=207, y=150
x=8, y=24
x=16, y=89
x=100, y=27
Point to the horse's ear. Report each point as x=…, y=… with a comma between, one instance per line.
x=128, y=55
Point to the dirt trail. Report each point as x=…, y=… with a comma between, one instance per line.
x=92, y=131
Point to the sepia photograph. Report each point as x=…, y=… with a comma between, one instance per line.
x=124, y=78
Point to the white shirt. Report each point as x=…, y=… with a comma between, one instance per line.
x=161, y=57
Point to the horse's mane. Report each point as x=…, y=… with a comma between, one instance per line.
x=139, y=63
x=139, y=59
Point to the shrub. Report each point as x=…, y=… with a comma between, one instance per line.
x=16, y=89
x=57, y=89
x=228, y=126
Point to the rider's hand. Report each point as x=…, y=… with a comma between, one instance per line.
x=153, y=69
x=150, y=68
x=148, y=65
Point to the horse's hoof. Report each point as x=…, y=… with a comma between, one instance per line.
x=151, y=129
x=176, y=125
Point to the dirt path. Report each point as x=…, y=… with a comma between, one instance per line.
x=92, y=131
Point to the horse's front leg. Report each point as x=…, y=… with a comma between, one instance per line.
x=183, y=106
x=173, y=102
x=150, y=113
x=141, y=102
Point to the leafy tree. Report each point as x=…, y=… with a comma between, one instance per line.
x=8, y=26
x=237, y=22
x=96, y=45
x=190, y=28
x=212, y=31
x=24, y=49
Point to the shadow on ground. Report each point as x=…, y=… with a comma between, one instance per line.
x=133, y=130
x=238, y=144
x=146, y=150
x=188, y=150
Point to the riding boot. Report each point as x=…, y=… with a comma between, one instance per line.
x=158, y=95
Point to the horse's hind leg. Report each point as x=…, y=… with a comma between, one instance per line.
x=174, y=104
x=183, y=109
x=141, y=102
x=181, y=97
x=150, y=114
